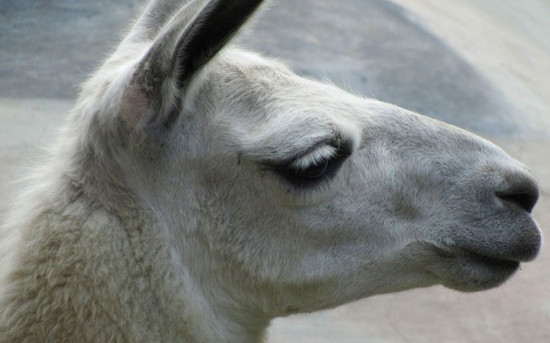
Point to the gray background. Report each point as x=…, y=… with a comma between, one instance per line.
x=369, y=46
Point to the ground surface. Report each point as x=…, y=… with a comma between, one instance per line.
x=479, y=64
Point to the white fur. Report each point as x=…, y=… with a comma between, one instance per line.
x=192, y=236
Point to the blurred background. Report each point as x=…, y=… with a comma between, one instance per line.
x=483, y=65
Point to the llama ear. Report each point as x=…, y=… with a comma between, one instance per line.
x=184, y=44
x=157, y=14
x=208, y=33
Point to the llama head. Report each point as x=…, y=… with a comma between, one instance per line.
x=285, y=194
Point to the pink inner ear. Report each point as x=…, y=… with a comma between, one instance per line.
x=133, y=107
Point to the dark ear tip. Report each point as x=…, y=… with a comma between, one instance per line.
x=192, y=34
x=210, y=31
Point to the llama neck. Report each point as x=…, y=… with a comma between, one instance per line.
x=213, y=310
x=129, y=287
x=115, y=273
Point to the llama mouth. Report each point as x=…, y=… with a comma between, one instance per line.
x=477, y=258
x=467, y=254
x=492, y=262
x=468, y=271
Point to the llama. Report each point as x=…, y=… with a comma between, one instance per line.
x=196, y=192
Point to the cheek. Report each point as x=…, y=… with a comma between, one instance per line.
x=338, y=221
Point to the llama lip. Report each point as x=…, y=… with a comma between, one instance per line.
x=469, y=271
x=494, y=263
x=477, y=258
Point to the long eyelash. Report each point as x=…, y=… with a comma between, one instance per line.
x=324, y=153
x=335, y=153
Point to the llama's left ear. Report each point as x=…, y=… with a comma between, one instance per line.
x=184, y=44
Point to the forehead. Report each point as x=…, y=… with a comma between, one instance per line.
x=263, y=108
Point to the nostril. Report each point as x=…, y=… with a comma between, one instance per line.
x=526, y=199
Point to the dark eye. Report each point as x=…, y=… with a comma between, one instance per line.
x=301, y=174
x=315, y=173
x=312, y=172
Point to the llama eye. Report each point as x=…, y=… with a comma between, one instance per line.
x=309, y=175
x=318, y=166
x=312, y=172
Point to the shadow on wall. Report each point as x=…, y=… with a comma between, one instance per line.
x=368, y=46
